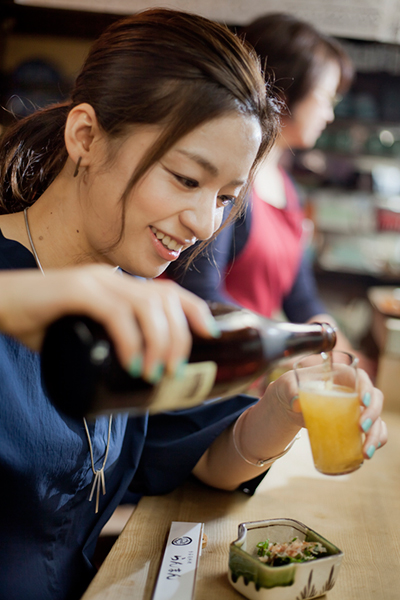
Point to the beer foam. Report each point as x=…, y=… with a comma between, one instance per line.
x=313, y=386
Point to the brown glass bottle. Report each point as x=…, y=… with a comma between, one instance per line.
x=83, y=377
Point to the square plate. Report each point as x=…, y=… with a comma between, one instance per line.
x=294, y=581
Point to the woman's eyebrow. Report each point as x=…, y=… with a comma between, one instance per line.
x=209, y=167
x=203, y=162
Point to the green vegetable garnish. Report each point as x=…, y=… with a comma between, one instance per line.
x=277, y=554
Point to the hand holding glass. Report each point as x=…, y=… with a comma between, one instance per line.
x=330, y=403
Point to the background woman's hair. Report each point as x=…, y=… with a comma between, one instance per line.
x=159, y=67
x=294, y=54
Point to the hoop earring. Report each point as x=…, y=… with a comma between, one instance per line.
x=78, y=164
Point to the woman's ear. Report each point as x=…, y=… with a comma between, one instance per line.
x=81, y=130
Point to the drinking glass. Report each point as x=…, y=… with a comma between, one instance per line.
x=330, y=403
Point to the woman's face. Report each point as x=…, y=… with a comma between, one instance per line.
x=311, y=115
x=180, y=200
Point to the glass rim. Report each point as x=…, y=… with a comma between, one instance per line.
x=353, y=358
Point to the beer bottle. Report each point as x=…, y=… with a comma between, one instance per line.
x=83, y=376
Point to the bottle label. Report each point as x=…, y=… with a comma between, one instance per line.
x=187, y=391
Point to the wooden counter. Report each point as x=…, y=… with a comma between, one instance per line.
x=360, y=513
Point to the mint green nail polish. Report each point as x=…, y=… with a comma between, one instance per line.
x=181, y=369
x=371, y=451
x=136, y=366
x=156, y=374
x=366, y=399
x=366, y=425
x=213, y=328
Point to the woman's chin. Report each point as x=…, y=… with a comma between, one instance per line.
x=307, y=143
x=161, y=272
x=145, y=271
x=152, y=273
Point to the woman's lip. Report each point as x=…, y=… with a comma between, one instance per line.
x=184, y=243
x=164, y=252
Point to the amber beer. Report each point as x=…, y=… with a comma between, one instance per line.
x=331, y=408
x=82, y=375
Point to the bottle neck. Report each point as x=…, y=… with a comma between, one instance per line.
x=283, y=340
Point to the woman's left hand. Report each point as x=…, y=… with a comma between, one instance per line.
x=371, y=422
x=371, y=398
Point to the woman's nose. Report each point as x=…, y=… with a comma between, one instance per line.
x=203, y=218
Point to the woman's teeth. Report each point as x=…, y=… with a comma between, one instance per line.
x=166, y=240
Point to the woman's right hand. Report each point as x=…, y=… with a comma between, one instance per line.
x=148, y=321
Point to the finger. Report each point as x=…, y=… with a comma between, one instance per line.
x=180, y=337
x=150, y=315
x=99, y=297
x=148, y=311
x=165, y=332
x=376, y=438
x=372, y=402
x=126, y=335
x=285, y=391
x=384, y=435
x=295, y=404
x=198, y=313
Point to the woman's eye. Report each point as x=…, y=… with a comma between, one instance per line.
x=227, y=200
x=188, y=183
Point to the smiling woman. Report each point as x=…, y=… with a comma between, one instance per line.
x=167, y=121
x=129, y=173
x=134, y=169
x=178, y=201
x=260, y=260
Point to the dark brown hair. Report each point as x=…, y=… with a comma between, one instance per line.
x=294, y=54
x=159, y=66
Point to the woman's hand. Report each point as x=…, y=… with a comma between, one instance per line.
x=149, y=321
x=285, y=391
x=371, y=423
x=268, y=427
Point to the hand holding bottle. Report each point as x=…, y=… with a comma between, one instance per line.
x=219, y=367
x=149, y=319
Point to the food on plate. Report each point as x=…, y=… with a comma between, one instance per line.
x=277, y=554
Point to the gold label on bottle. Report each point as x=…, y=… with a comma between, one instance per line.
x=187, y=391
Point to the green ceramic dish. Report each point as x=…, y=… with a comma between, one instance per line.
x=295, y=581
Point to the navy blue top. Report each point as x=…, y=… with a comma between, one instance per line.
x=48, y=527
x=205, y=276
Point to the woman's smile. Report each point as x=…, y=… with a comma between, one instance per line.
x=166, y=246
x=181, y=199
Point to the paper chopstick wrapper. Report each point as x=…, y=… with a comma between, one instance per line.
x=177, y=576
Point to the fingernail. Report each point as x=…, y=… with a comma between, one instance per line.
x=371, y=451
x=379, y=444
x=366, y=399
x=135, y=367
x=156, y=373
x=180, y=369
x=213, y=328
x=295, y=404
x=366, y=425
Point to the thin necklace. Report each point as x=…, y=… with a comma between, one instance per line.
x=99, y=477
x=28, y=231
x=99, y=481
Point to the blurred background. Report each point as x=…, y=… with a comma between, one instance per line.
x=350, y=182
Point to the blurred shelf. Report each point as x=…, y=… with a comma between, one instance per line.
x=34, y=20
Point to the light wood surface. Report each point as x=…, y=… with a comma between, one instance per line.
x=360, y=513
